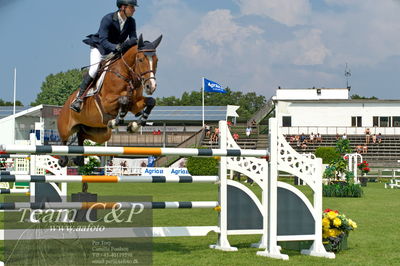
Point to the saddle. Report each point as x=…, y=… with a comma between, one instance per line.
x=97, y=83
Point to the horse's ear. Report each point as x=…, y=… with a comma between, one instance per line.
x=157, y=41
x=140, y=43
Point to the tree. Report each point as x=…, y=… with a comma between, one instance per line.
x=56, y=88
x=17, y=103
x=249, y=103
x=358, y=97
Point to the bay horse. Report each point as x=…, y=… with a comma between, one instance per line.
x=122, y=91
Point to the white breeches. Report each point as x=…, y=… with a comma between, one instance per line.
x=95, y=59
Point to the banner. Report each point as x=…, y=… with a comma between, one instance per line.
x=212, y=86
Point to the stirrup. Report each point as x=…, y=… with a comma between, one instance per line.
x=76, y=105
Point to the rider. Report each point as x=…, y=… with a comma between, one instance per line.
x=112, y=36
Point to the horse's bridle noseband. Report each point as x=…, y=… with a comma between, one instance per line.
x=139, y=77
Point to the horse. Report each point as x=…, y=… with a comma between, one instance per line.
x=122, y=91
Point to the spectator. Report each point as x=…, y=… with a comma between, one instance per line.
x=367, y=135
x=253, y=123
x=207, y=130
x=312, y=138
x=154, y=132
x=215, y=135
x=291, y=139
x=303, y=138
x=337, y=136
x=159, y=132
x=236, y=136
x=379, y=138
x=359, y=148
x=374, y=138
x=365, y=148
x=344, y=136
x=248, y=131
x=304, y=146
x=318, y=138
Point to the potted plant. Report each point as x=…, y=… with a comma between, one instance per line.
x=335, y=230
x=364, y=171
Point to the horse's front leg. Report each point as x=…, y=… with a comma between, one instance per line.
x=149, y=104
x=123, y=102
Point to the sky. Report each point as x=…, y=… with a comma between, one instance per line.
x=247, y=45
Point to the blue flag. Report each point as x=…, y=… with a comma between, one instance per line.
x=211, y=86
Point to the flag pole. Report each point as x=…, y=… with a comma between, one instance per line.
x=202, y=98
x=15, y=94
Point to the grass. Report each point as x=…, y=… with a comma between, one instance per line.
x=375, y=242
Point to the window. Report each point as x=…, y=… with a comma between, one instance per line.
x=286, y=121
x=356, y=121
x=396, y=121
x=384, y=121
x=375, y=121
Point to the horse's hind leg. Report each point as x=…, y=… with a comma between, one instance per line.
x=150, y=103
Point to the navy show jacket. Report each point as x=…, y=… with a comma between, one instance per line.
x=109, y=34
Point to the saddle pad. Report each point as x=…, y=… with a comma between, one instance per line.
x=95, y=89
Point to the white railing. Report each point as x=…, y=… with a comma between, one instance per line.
x=324, y=130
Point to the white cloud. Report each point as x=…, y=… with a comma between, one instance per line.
x=363, y=32
x=288, y=12
x=217, y=37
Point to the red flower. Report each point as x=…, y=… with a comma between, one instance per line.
x=327, y=210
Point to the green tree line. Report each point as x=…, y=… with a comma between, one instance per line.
x=4, y=103
x=249, y=102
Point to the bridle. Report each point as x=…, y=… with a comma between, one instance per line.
x=136, y=76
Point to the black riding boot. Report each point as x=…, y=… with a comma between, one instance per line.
x=77, y=103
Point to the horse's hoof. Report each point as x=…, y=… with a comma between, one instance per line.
x=63, y=161
x=133, y=127
x=79, y=161
x=112, y=124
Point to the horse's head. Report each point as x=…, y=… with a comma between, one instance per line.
x=146, y=63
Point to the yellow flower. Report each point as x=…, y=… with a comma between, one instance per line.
x=334, y=232
x=325, y=233
x=325, y=223
x=352, y=224
x=331, y=232
x=337, y=222
x=332, y=215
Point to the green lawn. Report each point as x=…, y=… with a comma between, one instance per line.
x=375, y=242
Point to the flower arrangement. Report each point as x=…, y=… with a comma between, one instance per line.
x=335, y=229
x=364, y=167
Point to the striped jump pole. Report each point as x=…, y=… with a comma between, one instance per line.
x=115, y=151
x=107, y=179
x=110, y=205
x=14, y=191
x=10, y=172
x=8, y=156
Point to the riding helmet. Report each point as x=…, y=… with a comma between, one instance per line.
x=126, y=2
